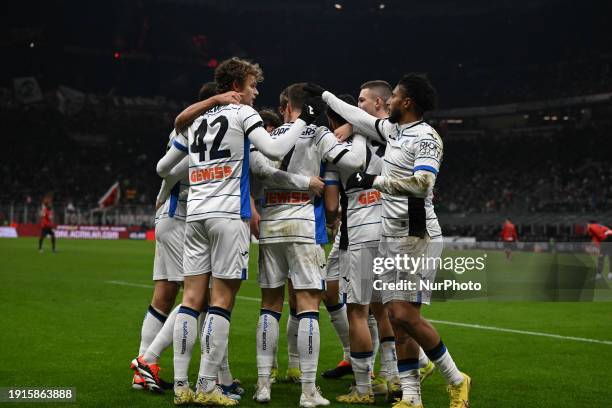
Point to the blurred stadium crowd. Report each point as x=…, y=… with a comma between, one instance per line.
x=89, y=111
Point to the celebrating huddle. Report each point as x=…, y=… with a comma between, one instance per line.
x=226, y=177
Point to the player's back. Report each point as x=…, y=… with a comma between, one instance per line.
x=219, y=163
x=295, y=215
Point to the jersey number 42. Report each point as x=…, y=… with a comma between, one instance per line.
x=199, y=146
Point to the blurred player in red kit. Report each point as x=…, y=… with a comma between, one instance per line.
x=46, y=222
x=601, y=234
x=509, y=236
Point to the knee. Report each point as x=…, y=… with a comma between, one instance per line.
x=404, y=317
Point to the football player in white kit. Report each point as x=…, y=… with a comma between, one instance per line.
x=217, y=233
x=409, y=224
x=168, y=263
x=357, y=247
x=292, y=228
x=373, y=98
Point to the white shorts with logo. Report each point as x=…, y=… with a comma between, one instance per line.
x=413, y=247
x=169, y=243
x=217, y=245
x=303, y=263
x=358, y=277
x=336, y=260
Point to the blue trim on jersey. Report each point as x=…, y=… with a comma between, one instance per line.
x=319, y=213
x=244, y=275
x=332, y=182
x=174, y=195
x=179, y=146
x=245, y=189
x=426, y=168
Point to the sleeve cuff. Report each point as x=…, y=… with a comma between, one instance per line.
x=378, y=182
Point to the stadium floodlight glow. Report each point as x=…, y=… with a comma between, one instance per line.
x=31, y=45
x=381, y=6
x=338, y=6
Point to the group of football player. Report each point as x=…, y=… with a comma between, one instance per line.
x=230, y=173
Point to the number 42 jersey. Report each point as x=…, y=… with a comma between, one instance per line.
x=219, y=162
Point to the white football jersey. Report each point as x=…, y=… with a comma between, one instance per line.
x=361, y=209
x=257, y=186
x=294, y=215
x=219, y=163
x=176, y=205
x=410, y=147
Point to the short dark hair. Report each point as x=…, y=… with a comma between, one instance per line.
x=207, y=90
x=381, y=88
x=297, y=95
x=333, y=115
x=270, y=118
x=235, y=69
x=418, y=88
x=284, y=98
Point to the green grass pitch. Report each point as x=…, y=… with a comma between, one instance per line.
x=64, y=324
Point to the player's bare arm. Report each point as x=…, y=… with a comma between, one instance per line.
x=343, y=132
x=190, y=113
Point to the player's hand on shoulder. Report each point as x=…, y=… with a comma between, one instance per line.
x=228, y=98
x=311, y=109
x=316, y=186
x=360, y=180
x=343, y=132
x=314, y=89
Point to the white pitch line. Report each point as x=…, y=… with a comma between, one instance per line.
x=530, y=333
x=458, y=324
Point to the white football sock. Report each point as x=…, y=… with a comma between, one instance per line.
x=373, y=326
x=337, y=315
x=409, y=378
x=184, y=337
x=225, y=375
x=445, y=364
x=423, y=359
x=151, y=325
x=214, y=340
x=163, y=340
x=388, y=358
x=308, y=346
x=293, y=324
x=362, y=365
x=267, y=343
